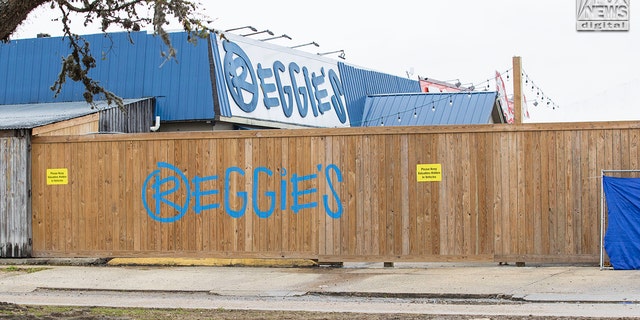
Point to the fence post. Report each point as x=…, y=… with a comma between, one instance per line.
x=517, y=90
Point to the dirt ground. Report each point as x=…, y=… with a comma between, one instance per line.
x=14, y=311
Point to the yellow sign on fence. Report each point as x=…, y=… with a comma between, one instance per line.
x=57, y=176
x=429, y=172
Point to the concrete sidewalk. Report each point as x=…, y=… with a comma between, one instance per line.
x=552, y=283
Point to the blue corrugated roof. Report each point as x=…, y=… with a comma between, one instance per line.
x=359, y=83
x=428, y=109
x=29, y=116
x=130, y=65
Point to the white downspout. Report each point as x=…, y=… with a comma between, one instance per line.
x=157, y=125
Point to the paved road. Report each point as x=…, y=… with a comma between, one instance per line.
x=475, y=289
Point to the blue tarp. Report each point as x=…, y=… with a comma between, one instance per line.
x=622, y=238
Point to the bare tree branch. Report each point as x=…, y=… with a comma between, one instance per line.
x=13, y=12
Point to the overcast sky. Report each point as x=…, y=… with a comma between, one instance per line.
x=591, y=76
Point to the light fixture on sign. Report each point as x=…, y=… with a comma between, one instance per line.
x=341, y=55
x=277, y=37
x=240, y=28
x=306, y=44
x=259, y=32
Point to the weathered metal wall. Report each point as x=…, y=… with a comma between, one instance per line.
x=15, y=203
x=507, y=193
x=137, y=117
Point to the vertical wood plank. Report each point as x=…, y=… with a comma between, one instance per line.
x=534, y=178
x=404, y=192
x=571, y=177
x=528, y=193
x=250, y=155
x=327, y=226
x=485, y=195
x=416, y=217
x=504, y=218
x=370, y=194
x=545, y=207
x=436, y=192
x=383, y=185
x=497, y=192
x=473, y=175
x=337, y=227
x=374, y=198
x=38, y=182
x=514, y=184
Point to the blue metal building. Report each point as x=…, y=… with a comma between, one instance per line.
x=130, y=65
x=359, y=83
x=192, y=87
x=431, y=109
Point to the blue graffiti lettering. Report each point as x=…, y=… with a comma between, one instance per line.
x=167, y=183
x=241, y=194
x=256, y=198
x=325, y=198
x=296, y=193
x=283, y=190
x=160, y=196
x=198, y=194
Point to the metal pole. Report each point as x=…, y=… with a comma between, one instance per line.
x=602, y=220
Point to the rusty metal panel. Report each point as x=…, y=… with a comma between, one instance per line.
x=15, y=204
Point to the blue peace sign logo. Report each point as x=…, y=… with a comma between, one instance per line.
x=162, y=188
x=240, y=77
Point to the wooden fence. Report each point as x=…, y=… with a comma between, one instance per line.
x=15, y=204
x=506, y=193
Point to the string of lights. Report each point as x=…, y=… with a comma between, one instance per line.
x=530, y=88
x=433, y=104
x=540, y=97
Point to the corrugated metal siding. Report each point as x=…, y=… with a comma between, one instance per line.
x=28, y=68
x=223, y=106
x=33, y=66
x=185, y=84
x=360, y=83
x=15, y=204
x=137, y=118
x=429, y=109
x=28, y=116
